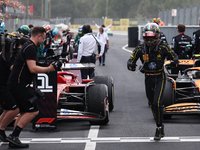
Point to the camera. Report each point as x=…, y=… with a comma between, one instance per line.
x=37, y=95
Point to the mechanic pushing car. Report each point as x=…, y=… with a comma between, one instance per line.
x=179, y=45
x=152, y=54
x=77, y=39
x=22, y=75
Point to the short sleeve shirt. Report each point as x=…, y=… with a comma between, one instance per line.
x=20, y=72
x=5, y=70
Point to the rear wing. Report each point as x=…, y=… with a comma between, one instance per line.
x=77, y=66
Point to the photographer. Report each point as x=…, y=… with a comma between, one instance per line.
x=22, y=75
x=6, y=100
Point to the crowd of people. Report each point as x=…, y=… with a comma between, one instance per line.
x=19, y=66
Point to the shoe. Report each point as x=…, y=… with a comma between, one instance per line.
x=15, y=142
x=103, y=64
x=99, y=64
x=158, y=133
x=3, y=138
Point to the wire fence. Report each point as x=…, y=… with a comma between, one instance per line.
x=186, y=16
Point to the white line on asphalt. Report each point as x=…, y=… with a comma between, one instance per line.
x=93, y=133
x=91, y=141
x=124, y=48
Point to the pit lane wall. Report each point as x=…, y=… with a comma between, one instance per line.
x=121, y=25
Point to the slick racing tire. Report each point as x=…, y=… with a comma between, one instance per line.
x=107, y=80
x=168, y=96
x=97, y=103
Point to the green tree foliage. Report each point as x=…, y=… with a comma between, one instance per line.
x=116, y=8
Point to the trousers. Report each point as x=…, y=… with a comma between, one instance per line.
x=154, y=85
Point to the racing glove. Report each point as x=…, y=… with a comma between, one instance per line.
x=131, y=66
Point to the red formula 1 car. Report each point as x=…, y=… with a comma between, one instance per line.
x=89, y=99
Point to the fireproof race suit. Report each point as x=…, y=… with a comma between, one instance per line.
x=153, y=60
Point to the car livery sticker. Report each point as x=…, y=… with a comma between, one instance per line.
x=152, y=65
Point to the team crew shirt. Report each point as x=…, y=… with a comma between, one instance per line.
x=20, y=72
x=179, y=43
x=103, y=37
x=5, y=70
x=196, y=41
x=105, y=29
x=87, y=46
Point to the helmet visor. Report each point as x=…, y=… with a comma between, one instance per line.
x=149, y=35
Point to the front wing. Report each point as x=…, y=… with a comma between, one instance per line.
x=182, y=108
x=80, y=115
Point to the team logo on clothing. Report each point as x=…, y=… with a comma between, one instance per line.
x=152, y=65
x=159, y=57
x=146, y=58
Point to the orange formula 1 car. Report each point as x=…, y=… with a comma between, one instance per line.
x=182, y=95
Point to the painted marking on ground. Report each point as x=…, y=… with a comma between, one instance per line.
x=91, y=142
x=93, y=133
x=124, y=48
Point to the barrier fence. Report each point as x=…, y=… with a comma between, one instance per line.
x=186, y=16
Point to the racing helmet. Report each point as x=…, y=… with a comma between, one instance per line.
x=47, y=28
x=151, y=34
x=24, y=29
x=65, y=28
x=2, y=27
x=80, y=30
x=55, y=32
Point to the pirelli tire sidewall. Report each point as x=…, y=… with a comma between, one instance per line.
x=169, y=93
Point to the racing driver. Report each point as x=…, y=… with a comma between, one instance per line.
x=152, y=54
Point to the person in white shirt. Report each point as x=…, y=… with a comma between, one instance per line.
x=103, y=26
x=103, y=36
x=87, y=47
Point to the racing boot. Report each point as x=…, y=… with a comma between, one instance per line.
x=15, y=142
x=162, y=131
x=158, y=134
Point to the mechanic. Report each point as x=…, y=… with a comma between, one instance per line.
x=103, y=36
x=152, y=54
x=22, y=75
x=179, y=43
x=196, y=41
x=77, y=39
x=103, y=26
x=160, y=23
x=6, y=100
x=48, y=39
x=87, y=47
